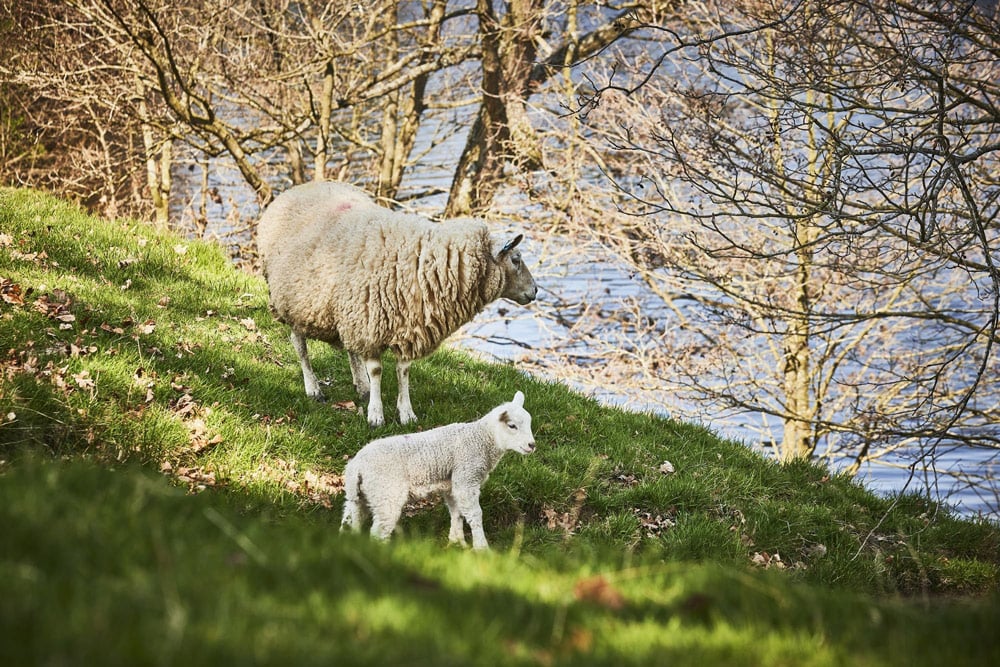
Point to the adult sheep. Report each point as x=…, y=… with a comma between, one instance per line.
x=344, y=270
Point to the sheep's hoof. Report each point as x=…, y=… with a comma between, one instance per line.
x=319, y=398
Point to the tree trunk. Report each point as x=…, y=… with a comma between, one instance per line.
x=158, y=177
x=511, y=71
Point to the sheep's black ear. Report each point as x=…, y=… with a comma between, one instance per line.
x=510, y=245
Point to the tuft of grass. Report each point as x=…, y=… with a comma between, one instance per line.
x=169, y=493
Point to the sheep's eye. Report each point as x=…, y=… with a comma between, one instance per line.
x=512, y=426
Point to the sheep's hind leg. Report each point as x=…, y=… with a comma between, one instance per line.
x=457, y=532
x=406, y=414
x=360, y=375
x=308, y=377
x=376, y=416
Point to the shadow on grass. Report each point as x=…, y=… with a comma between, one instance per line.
x=118, y=567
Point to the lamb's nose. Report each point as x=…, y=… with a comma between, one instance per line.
x=531, y=446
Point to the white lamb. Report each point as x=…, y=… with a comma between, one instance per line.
x=454, y=460
x=342, y=269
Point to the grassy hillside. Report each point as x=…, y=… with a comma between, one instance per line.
x=168, y=494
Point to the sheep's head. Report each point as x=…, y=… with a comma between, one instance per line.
x=512, y=428
x=518, y=284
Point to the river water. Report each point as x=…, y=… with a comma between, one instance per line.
x=577, y=276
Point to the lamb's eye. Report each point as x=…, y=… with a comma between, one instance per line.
x=512, y=426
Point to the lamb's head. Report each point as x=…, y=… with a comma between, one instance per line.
x=518, y=284
x=511, y=425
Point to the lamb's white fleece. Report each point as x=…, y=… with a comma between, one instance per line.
x=453, y=460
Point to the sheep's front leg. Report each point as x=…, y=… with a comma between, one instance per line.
x=359, y=374
x=403, y=397
x=467, y=498
x=457, y=533
x=308, y=377
x=376, y=417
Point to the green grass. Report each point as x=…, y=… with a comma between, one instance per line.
x=169, y=495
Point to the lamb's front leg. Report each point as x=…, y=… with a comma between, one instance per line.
x=467, y=498
x=456, y=534
x=376, y=417
x=308, y=377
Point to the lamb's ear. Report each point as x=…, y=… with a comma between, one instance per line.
x=510, y=245
x=518, y=400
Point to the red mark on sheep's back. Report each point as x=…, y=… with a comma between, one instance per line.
x=346, y=206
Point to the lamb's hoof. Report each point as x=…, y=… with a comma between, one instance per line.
x=319, y=398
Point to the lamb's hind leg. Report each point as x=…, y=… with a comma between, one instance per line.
x=308, y=377
x=386, y=512
x=355, y=514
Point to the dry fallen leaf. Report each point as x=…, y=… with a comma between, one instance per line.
x=554, y=520
x=11, y=292
x=814, y=550
x=654, y=525
x=598, y=590
x=765, y=560
x=83, y=380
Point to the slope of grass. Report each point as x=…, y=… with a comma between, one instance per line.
x=170, y=494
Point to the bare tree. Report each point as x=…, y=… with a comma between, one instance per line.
x=513, y=71
x=328, y=88
x=69, y=121
x=812, y=191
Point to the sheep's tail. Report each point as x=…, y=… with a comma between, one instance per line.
x=352, y=490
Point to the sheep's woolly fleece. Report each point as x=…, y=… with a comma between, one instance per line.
x=401, y=282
